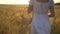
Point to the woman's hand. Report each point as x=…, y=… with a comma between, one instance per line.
x=51, y=14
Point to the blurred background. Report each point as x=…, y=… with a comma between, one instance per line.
x=15, y=20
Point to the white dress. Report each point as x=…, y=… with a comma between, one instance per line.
x=40, y=21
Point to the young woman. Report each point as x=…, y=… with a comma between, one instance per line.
x=40, y=21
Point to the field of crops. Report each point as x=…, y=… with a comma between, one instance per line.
x=13, y=20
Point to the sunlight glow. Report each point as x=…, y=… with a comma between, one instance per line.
x=57, y=1
x=14, y=1
x=19, y=1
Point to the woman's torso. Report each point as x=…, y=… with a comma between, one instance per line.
x=40, y=8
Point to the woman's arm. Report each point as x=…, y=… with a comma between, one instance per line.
x=30, y=7
x=52, y=11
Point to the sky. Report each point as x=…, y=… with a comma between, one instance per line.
x=19, y=1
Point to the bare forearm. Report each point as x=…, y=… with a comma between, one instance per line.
x=30, y=8
x=52, y=9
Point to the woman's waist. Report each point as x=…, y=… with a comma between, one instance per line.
x=40, y=13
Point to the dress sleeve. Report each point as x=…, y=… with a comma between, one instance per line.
x=31, y=2
x=51, y=3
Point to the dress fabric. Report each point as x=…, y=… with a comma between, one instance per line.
x=40, y=21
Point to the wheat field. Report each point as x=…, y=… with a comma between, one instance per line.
x=13, y=20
